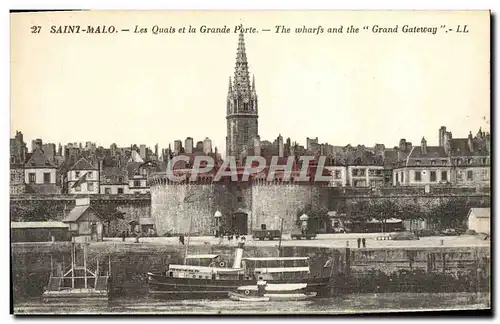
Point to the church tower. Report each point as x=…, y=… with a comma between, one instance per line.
x=242, y=113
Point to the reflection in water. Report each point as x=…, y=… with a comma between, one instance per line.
x=353, y=303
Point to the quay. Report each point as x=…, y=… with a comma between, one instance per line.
x=458, y=262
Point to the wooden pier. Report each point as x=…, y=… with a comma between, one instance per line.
x=83, y=278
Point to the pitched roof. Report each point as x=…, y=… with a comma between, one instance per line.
x=39, y=160
x=460, y=147
x=76, y=213
x=480, y=212
x=83, y=164
x=50, y=224
x=113, y=175
x=432, y=152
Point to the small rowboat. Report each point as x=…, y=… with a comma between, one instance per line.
x=242, y=297
x=273, y=292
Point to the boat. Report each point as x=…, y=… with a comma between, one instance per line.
x=89, y=279
x=207, y=275
x=272, y=292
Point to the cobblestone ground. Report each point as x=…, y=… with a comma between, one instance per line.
x=325, y=240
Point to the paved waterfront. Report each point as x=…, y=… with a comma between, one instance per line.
x=324, y=240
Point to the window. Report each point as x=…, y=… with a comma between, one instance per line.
x=417, y=162
x=460, y=176
x=12, y=159
x=402, y=177
x=485, y=175
x=443, y=162
x=433, y=162
x=31, y=177
x=483, y=161
x=458, y=161
x=120, y=179
x=433, y=176
x=469, y=175
x=137, y=183
x=240, y=199
x=120, y=190
x=46, y=177
x=469, y=161
x=337, y=174
x=418, y=176
x=362, y=172
x=107, y=191
x=90, y=186
x=78, y=188
x=12, y=176
x=444, y=175
x=77, y=174
x=90, y=175
x=397, y=177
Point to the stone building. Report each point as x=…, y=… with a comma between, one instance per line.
x=40, y=174
x=242, y=107
x=18, y=153
x=459, y=161
x=83, y=178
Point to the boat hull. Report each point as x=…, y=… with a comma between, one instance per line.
x=239, y=297
x=159, y=284
x=272, y=297
x=76, y=293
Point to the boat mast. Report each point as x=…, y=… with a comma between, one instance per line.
x=188, y=238
x=281, y=234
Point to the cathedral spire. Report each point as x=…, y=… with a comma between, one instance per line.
x=241, y=75
x=230, y=88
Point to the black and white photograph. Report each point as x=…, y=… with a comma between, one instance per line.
x=250, y=162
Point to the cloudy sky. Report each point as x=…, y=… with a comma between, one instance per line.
x=362, y=88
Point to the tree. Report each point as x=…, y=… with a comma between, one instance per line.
x=383, y=210
x=35, y=212
x=410, y=212
x=360, y=211
x=109, y=212
x=452, y=213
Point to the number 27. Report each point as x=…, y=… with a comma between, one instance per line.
x=36, y=29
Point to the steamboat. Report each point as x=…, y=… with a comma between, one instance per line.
x=208, y=276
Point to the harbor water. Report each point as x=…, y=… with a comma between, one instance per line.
x=345, y=304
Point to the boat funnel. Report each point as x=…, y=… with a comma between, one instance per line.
x=238, y=255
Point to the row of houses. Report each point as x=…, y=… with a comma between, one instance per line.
x=455, y=162
x=40, y=175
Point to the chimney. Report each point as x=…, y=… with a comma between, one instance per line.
x=400, y=155
x=447, y=142
x=280, y=146
x=423, y=147
x=470, y=144
x=402, y=144
x=442, y=133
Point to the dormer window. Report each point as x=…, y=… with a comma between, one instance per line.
x=443, y=162
x=458, y=161
x=469, y=161
x=433, y=162
x=417, y=162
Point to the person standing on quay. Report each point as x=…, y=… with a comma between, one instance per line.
x=359, y=242
x=364, y=242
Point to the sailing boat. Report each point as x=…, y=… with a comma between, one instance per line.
x=86, y=280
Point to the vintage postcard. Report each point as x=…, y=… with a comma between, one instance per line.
x=250, y=162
